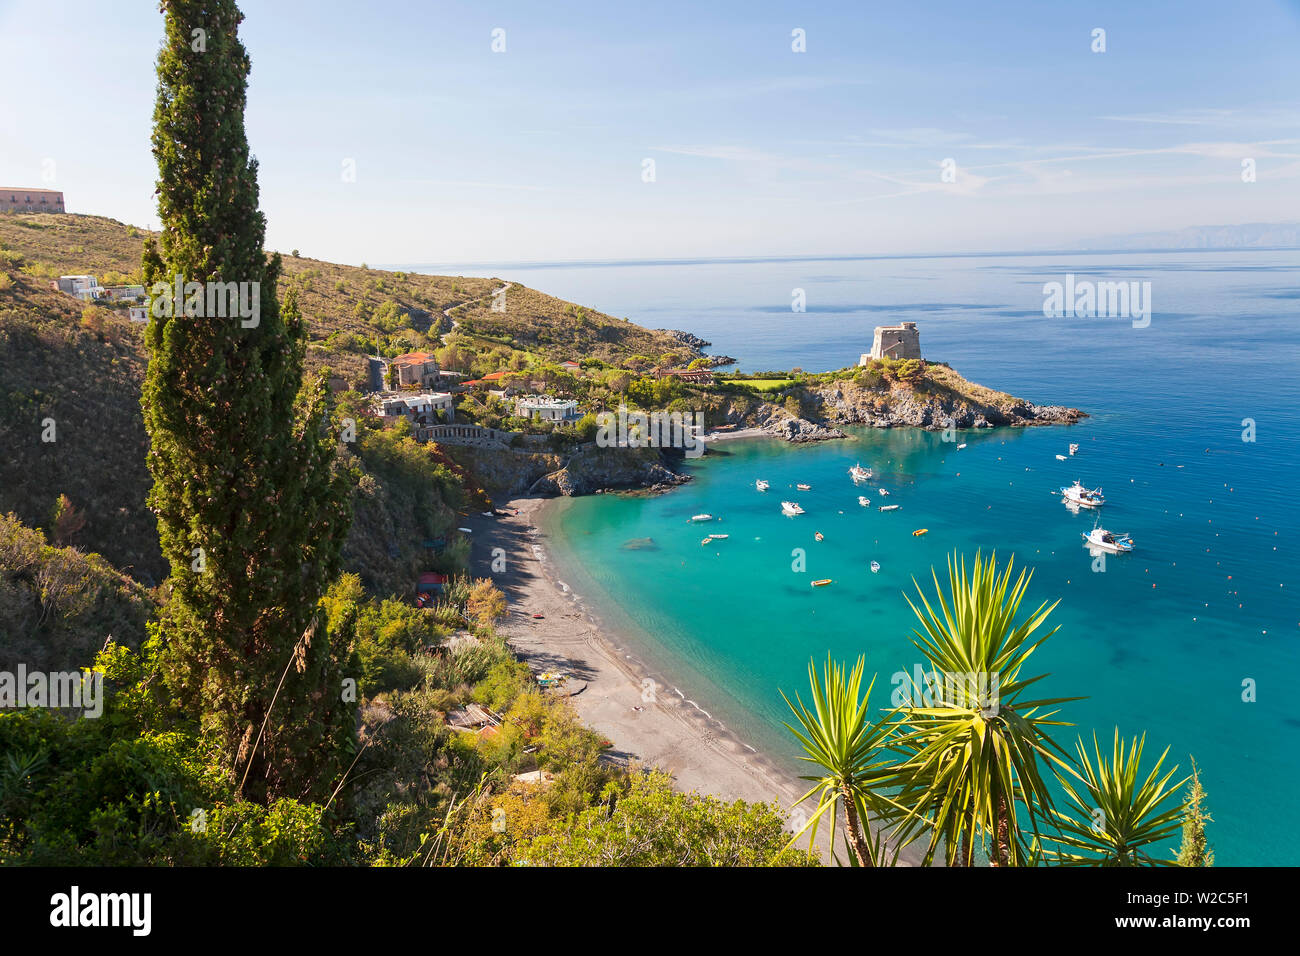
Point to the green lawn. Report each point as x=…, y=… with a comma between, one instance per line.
x=761, y=384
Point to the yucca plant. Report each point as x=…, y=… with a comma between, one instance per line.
x=839, y=737
x=971, y=746
x=1116, y=814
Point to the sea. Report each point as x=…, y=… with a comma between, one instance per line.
x=1192, y=433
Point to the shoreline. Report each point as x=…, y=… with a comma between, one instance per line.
x=670, y=731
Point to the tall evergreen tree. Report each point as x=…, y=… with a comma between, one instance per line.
x=251, y=508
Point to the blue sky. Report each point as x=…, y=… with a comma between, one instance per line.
x=466, y=155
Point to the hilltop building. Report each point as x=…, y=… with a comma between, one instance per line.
x=894, y=341
x=419, y=409
x=546, y=407
x=85, y=288
x=30, y=200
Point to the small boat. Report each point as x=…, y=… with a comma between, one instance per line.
x=762, y=485
x=791, y=508
x=920, y=531
x=804, y=487
x=961, y=446
x=858, y=473
x=882, y=491
x=890, y=507
x=706, y=541
x=1060, y=458
x=1108, y=541
x=1087, y=497
x=864, y=501
x=466, y=530
x=819, y=536
x=875, y=567
x=702, y=517
x=719, y=537
x=1074, y=448
x=821, y=582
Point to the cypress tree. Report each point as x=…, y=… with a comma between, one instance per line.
x=251, y=505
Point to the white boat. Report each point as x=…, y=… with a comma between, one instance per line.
x=762, y=485
x=1074, y=449
x=1111, y=541
x=890, y=507
x=858, y=473
x=961, y=446
x=791, y=508
x=864, y=501
x=702, y=517
x=1060, y=458
x=804, y=487
x=719, y=537
x=1087, y=497
x=875, y=567
x=882, y=491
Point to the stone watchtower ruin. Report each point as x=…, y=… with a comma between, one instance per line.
x=894, y=341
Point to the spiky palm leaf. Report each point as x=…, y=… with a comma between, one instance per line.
x=971, y=761
x=1116, y=816
x=839, y=737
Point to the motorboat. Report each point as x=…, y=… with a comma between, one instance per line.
x=821, y=582
x=804, y=487
x=719, y=537
x=961, y=446
x=1074, y=448
x=882, y=491
x=762, y=485
x=1087, y=497
x=791, y=508
x=819, y=536
x=858, y=473
x=864, y=501
x=1060, y=458
x=1111, y=541
x=702, y=517
x=706, y=541
x=890, y=507
x=875, y=567
x=920, y=531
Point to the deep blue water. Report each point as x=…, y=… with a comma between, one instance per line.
x=1162, y=641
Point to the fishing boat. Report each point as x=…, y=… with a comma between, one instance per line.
x=890, y=507
x=719, y=537
x=875, y=567
x=882, y=491
x=702, y=517
x=1087, y=497
x=804, y=487
x=791, y=508
x=821, y=582
x=819, y=536
x=1074, y=448
x=864, y=501
x=858, y=473
x=1111, y=541
x=762, y=485
x=920, y=531
x=1060, y=458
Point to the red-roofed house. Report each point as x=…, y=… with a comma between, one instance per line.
x=419, y=369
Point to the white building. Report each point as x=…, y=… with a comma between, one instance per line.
x=546, y=407
x=123, y=293
x=139, y=313
x=85, y=288
x=418, y=408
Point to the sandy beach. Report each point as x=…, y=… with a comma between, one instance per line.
x=624, y=698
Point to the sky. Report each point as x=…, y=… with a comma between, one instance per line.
x=540, y=151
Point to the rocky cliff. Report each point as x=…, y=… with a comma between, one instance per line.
x=585, y=470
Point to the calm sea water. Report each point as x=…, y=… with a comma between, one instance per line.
x=1166, y=640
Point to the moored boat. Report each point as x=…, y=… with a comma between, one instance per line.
x=791, y=508
x=719, y=537
x=882, y=491
x=1074, y=448
x=920, y=531
x=702, y=517
x=1087, y=497
x=819, y=536
x=762, y=485
x=890, y=507
x=864, y=501
x=1060, y=458
x=821, y=582
x=804, y=487
x=1111, y=541
x=875, y=567
x=858, y=473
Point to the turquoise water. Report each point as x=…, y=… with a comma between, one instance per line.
x=1160, y=641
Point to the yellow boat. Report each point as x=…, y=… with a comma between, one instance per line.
x=821, y=582
x=920, y=531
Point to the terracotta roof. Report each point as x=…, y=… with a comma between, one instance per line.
x=493, y=376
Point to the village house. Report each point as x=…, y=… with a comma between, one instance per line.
x=30, y=200
x=696, y=376
x=85, y=288
x=419, y=409
x=123, y=293
x=139, y=313
x=546, y=407
x=416, y=369
x=573, y=368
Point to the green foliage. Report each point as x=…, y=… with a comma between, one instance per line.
x=1195, y=848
